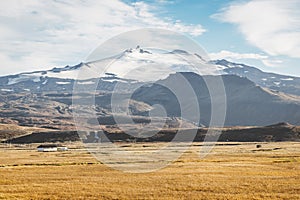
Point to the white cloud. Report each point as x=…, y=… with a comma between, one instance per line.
x=40, y=34
x=271, y=25
x=233, y=55
x=272, y=63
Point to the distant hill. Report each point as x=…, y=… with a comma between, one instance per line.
x=273, y=133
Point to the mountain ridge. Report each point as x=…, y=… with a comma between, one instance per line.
x=273, y=81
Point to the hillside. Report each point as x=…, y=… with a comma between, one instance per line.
x=273, y=133
x=247, y=104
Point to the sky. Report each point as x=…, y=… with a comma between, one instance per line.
x=37, y=35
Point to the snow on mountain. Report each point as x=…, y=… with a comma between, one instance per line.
x=146, y=65
x=137, y=64
x=278, y=82
x=151, y=64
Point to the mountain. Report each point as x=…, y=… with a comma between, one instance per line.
x=44, y=98
x=247, y=103
x=140, y=65
x=277, y=82
x=129, y=67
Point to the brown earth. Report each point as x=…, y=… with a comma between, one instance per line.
x=273, y=133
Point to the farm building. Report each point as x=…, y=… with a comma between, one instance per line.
x=51, y=148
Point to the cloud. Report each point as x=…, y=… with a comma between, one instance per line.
x=271, y=25
x=233, y=55
x=272, y=63
x=41, y=34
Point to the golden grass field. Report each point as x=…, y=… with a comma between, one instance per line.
x=239, y=171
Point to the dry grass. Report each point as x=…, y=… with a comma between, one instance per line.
x=229, y=172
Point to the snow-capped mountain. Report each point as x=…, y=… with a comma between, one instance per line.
x=137, y=65
x=131, y=66
x=249, y=98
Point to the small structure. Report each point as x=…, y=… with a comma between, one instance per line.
x=51, y=148
x=62, y=148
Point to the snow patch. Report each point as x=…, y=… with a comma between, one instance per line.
x=7, y=90
x=22, y=78
x=36, y=79
x=235, y=65
x=287, y=79
x=19, y=79
x=114, y=80
x=62, y=83
x=276, y=83
x=86, y=83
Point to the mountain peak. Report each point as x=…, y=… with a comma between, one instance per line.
x=223, y=62
x=138, y=49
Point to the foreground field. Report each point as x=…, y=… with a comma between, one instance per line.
x=231, y=171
